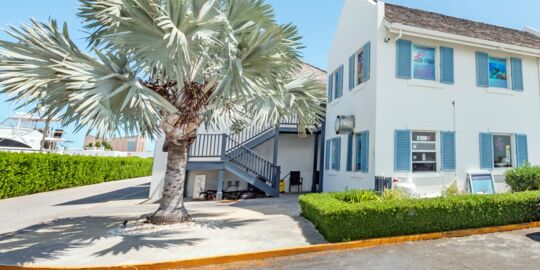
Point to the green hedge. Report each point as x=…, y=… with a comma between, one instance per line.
x=524, y=178
x=340, y=220
x=23, y=173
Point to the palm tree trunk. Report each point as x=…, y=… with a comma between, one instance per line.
x=171, y=209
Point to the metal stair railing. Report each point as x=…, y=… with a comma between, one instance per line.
x=250, y=133
x=206, y=146
x=250, y=161
x=209, y=145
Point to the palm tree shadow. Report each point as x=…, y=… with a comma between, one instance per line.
x=50, y=240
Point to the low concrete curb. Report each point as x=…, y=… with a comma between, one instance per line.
x=297, y=250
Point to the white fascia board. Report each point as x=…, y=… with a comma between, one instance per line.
x=398, y=28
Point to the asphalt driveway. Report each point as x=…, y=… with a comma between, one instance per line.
x=499, y=251
x=79, y=227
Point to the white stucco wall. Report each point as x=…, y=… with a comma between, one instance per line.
x=295, y=154
x=387, y=103
x=358, y=25
x=425, y=105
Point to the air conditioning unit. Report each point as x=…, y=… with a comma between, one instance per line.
x=344, y=124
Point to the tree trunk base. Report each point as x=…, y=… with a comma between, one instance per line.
x=162, y=217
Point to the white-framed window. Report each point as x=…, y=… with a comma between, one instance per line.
x=502, y=151
x=360, y=61
x=337, y=83
x=424, y=151
x=423, y=62
x=498, y=72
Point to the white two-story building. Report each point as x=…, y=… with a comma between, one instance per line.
x=429, y=98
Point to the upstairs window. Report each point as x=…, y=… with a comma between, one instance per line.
x=497, y=72
x=359, y=66
x=337, y=81
x=415, y=61
x=423, y=63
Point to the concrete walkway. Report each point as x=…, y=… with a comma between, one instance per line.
x=73, y=227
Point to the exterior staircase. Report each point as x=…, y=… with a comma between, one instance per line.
x=235, y=152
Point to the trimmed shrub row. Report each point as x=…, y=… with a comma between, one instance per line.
x=23, y=173
x=339, y=220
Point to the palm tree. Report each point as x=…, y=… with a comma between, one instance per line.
x=164, y=66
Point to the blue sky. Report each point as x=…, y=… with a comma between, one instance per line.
x=316, y=20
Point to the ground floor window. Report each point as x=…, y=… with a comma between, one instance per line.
x=333, y=154
x=502, y=151
x=358, y=151
x=424, y=151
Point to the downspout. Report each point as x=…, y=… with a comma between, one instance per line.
x=315, y=161
x=456, y=171
x=322, y=156
x=277, y=172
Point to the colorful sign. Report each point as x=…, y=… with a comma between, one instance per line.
x=497, y=72
x=424, y=63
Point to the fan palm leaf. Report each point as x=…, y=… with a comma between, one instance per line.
x=164, y=66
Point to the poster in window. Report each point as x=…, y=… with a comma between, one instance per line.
x=497, y=72
x=360, y=67
x=424, y=63
x=502, y=152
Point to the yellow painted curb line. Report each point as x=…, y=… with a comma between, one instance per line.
x=298, y=250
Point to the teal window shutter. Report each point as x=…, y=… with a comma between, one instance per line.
x=448, y=151
x=327, y=155
x=350, y=152
x=366, y=62
x=482, y=75
x=402, y=151
x=447, y=65
x=517, y=74
x=330, y=87
x=522, y=153
x=403, y=59
x=486, y=151
x=352, y=69
x=364, y=152
x=338, y=88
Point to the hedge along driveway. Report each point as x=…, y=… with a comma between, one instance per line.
x=342, y=221
x=28, y=173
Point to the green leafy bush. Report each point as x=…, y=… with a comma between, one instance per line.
x=451, y=190
x=339, y=220
x=23, y=173
x=526, y=177
x=394, y=194
x=354, y=196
